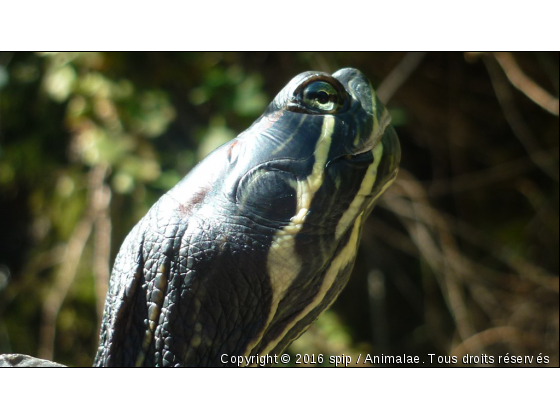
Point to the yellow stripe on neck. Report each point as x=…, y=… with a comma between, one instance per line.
x=337, y=265
x=284, y=264
x=365, y=189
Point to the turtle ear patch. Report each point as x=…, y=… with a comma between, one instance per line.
x=270, y=193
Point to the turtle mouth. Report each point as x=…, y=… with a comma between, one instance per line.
x=360, y=157
x=364, y=148
x=375, y=137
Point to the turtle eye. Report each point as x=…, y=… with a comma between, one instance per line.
x=321, y=96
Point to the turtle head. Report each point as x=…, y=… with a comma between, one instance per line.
x=322, y=152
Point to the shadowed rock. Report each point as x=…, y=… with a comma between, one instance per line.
x=22, y=360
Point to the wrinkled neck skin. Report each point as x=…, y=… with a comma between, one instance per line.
x=285, y=253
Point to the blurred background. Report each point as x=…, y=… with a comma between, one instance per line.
x=459, y=257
